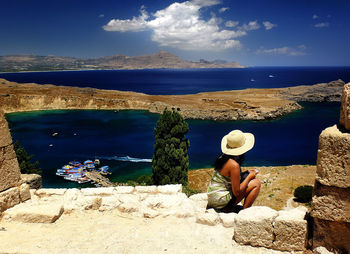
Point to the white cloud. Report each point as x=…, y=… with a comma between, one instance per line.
x=231, y=23
x=223, y=9
x=284, y=51
x=101, y=15
x=315, y=16
x=323, y=24
x=180, y=26
x=135, y=24
x=252, y=25
x=268, y=25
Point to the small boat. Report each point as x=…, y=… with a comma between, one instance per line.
x=54, y=134
x=252, y=80
x=271, y=76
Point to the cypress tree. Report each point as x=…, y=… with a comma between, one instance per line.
x=170, y=159
x=24, y=161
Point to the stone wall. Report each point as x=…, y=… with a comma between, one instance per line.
x=256, y=226
x=331, y=197
x=11, y=190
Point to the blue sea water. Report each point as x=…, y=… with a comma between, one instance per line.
x=187, y=81
x=124, y=140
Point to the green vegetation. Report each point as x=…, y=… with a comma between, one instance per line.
x=170, y=159
x=303, y=194
x=24, y=161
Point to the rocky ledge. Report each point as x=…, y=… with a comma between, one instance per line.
x=248, y=104
x=280, y=230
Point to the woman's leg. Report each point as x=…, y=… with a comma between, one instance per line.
x=251, y=193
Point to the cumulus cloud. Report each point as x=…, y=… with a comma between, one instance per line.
x=323, y=24
x=300, y=51
x=252, y=25
x=268, y=25
x=223, y=9
x=231, y=23
x=181, y=26
x=314, y=16
x=135, y=24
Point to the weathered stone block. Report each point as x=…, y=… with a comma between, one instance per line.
x=333, y=158
x=102, y=191
x=254, y=226
x=160, y=201
x=321, y=250
x=146, y=189
x=109, y=203
x=50, y=192
x=345, y=107
x=228, y=219
x=124, y=189
x=5, y=136
x=149, y=213
x=24, y=192
x=335, y=236
x=38, y=213
x=200, y=200
x=9, y=198
x=170, y=189
x=9, y=174
x=290, y=229
x=331, y=203
x=209, y=217
x=33, y=180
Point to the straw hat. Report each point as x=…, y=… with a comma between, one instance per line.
x=237, y=143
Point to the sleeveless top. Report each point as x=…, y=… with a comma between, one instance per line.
x=219, y=191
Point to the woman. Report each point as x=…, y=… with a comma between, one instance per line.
x=228, y=185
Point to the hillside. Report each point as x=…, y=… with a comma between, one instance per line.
x=16, y=63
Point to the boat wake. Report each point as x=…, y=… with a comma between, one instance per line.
x=126, y=158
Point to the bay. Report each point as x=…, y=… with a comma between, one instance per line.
x=124, y=140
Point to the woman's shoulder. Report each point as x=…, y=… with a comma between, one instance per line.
x=230, y=166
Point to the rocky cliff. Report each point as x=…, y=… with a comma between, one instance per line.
x=248, y=104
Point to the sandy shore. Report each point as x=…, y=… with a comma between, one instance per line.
x=113, y=232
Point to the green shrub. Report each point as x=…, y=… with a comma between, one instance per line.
x=303, y=194
x=188, y=191
x=24, y=160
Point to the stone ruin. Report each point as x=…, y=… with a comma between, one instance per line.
x=12, y=191
x=286, y=230
x=331, y=197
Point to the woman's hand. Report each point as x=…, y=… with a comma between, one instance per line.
x=253, y=173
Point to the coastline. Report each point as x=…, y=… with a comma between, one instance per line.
x=247, y=104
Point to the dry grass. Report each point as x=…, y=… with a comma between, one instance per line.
x=278, y=183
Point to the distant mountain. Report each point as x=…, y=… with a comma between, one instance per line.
x=161, y=60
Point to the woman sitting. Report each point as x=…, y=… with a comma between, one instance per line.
x=229, y=185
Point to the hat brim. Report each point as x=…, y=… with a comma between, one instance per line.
x=249, y=143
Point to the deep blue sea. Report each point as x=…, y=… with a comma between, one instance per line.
x=111, y=136
x=187, y=81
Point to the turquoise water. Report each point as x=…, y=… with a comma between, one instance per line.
x=112, y=136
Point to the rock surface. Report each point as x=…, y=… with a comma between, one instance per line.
x=115, y=232
x=254, y=226
x=9, y=169
x=333, y=158
x=345, y=108
x=290, y=230
x=38, y=213
x=333, y=235
x=331, y=203
x=248, y=104
x=33, y=180
x=9, y=198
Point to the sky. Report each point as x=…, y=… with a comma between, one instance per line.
x=251, y=32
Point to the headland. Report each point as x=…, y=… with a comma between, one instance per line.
x=247, y=104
